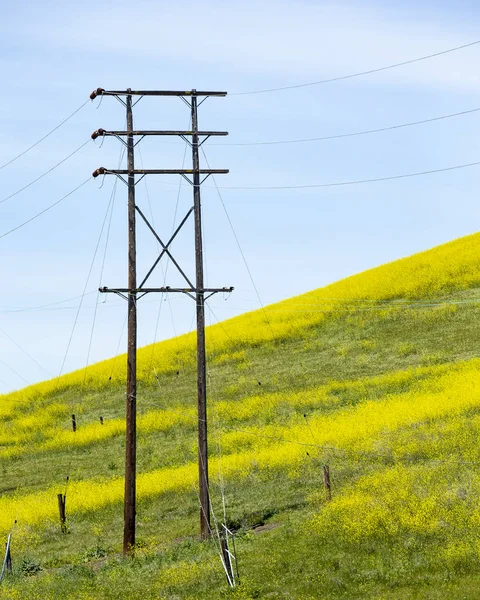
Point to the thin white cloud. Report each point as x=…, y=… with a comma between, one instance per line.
x=287, y=42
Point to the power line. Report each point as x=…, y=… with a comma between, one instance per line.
x=369, y=303
x=28, y=308
x=112, y=203
x=369, y=308
x=13, y=371
x=239, y=247
x=351, y=134
x=358, y=74
x=94, y=320
x=44, y=174
x=44, y=137
x=7, y=384
x=118, y=347
x=24, y=351
x=353, y=182
x=44, y=210
x=381, y=305
x=86, y=284
x=379, y=308
x=165, y=271
x=342, y=135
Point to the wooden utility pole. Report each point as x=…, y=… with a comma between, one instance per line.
x=133, y=293
x=201, y=354
x=131, y=397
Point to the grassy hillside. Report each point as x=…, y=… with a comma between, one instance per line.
x=376, y=375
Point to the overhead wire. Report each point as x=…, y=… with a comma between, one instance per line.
x=350, y=299
x=94, y=320
x=276, y=187
x=353, y=182
x=112, y=204
x=157, y=323
x=45, y=136
x=209, y=381
x=216, y=538
x=42, y=212
x=351, y=133
x=84, y=290
x=216, y=419
x=214, y=532
x=24, y=351
x=339, y=135
x=389, y=303
x=380, y=308
x=327, y=309
x=359, y=73
x=122, y=330
x=14, y=371
x=7, y=384
x=216, y=430
x=28, y=308
x=45, y=173
x=165, y=271
x=340, y=183
x=115, y=358
x=239, y=246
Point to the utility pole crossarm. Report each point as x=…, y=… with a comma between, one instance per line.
x=104, y=133
x=104, y=171
x=163, y=290
x=128, y=92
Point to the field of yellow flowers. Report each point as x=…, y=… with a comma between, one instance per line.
x=377, y=375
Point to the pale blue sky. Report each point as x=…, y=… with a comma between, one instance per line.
x=53, y=54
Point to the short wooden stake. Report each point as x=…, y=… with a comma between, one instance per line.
x=101, y=420
x=74, y=423
x=62, y=498
x=326, y=482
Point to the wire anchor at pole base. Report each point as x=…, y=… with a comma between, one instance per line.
x=229, y=556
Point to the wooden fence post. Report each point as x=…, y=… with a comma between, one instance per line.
x=62, y=498
x=326, y=482
x=74, y=424
x=101, y=420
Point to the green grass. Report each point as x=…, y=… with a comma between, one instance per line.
x=289, y=559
